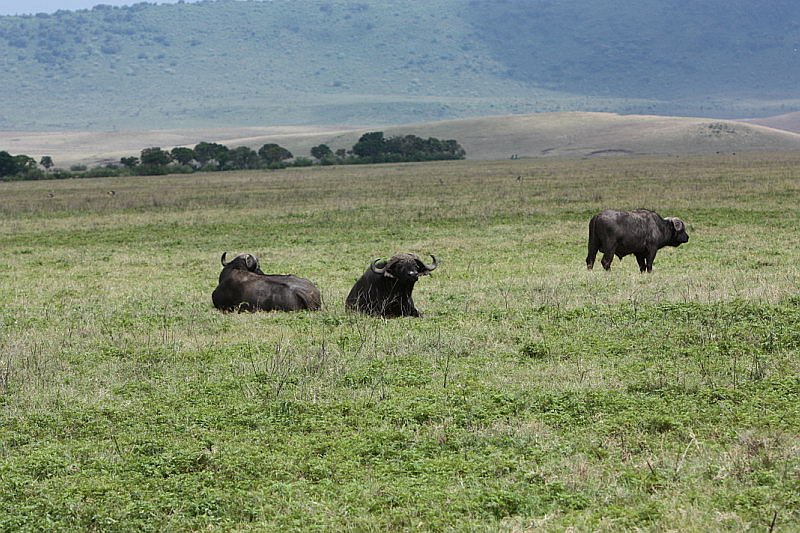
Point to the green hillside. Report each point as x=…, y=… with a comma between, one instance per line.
x=664, y=49
x=231, y=62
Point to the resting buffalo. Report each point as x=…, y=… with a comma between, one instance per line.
x=244, y=287
x=640, y=232
x=386, y=286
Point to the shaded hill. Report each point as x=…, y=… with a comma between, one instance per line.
x=376, y=61
x=663, y=49
x=787, y=122
x=498, y=137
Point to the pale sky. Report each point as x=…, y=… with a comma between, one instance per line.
x=20, y=7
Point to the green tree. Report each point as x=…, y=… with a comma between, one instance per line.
x=205, y=152
x=183, y=155
x=413, y=148
x=243, y=157
x=273, y=153
x=454, y=149
x=129, y=162
x=155, y=157
x=8, y=165
x=371, y=144
x=47, y=162
x=321, y=152
x=24, y=163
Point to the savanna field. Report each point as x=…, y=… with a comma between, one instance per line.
x=532, y=394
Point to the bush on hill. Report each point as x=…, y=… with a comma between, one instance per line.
x=372, y=147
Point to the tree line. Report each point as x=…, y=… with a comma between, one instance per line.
x=372, y=147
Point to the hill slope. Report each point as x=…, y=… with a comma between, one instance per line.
x=498, y=137
x=374, y=61
x=786, y=121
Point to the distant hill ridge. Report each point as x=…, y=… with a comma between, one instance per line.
x=496, y=137
x=786, y=121
x=226, y=62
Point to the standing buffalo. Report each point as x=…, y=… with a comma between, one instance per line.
x=640, y=232
x=385, y=288
x=244, y=287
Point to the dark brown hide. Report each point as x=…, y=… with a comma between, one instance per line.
x=244, y=287
x=386, y=286
x=640, y=232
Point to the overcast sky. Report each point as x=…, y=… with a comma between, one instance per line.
x=19, y=7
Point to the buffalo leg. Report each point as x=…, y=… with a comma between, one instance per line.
x=649, y=260
x=593, y=246
x=608, y=256
x=410, y=309
x=592, y=254
x=642, y=260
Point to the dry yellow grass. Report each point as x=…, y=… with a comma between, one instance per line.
x=486, y=138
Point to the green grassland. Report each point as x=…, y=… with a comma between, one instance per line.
x=532, y=394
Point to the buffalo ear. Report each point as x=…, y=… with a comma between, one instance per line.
x=252, y=262
x=678, y=223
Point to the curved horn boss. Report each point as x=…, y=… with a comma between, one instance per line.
x=433, y=265
x=377, y=270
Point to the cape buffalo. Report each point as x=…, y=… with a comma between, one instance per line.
x=244, y=287
x=385, y=288
x=640, y=232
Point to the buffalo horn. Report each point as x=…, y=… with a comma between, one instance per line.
x=223, y=259
x=433, y=265
x=376, y=269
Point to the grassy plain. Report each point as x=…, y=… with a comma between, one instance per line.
x=533, y=394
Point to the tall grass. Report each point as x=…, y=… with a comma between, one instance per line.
x=532, y=394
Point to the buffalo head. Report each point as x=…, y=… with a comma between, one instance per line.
x=242, y=262
x=385, y=290
x=404, y=267
x=680, y=236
